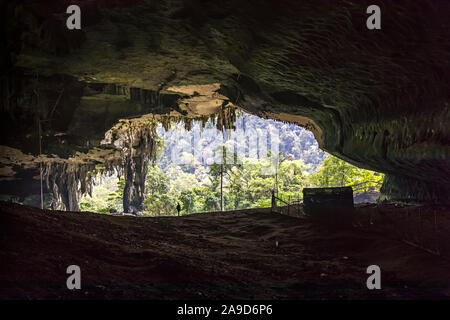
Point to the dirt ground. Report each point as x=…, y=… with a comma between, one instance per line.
x=248, y=254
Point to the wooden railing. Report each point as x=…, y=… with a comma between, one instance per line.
x=289, y=207
x=361, y=185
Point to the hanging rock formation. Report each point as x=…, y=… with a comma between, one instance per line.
x=137, y=142
x=133, y=194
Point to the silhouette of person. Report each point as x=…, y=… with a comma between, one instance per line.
x=178, y=208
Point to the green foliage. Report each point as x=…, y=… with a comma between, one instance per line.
x=187, y=199
x=107, y=195
x=156, y=182
x=160, y=205
x=245, y=183
x=211, y=202
x=159, y=200
x=229, y=169
x=334, y=172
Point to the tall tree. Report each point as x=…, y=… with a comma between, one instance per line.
x=227, y=161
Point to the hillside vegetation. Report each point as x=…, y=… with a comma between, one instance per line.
x=195, y=167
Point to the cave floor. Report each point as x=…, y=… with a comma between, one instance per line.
x=217, y=256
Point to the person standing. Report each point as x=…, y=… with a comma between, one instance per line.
x=178, y=208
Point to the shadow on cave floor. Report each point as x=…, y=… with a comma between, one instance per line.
x=247, y=254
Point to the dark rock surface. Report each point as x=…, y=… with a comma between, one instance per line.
x=246, y=254
x=324, y=199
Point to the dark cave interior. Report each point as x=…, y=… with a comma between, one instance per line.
x=78, y=102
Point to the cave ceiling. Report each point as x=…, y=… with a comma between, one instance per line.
x=376, y=98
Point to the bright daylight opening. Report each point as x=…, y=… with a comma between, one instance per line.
x=205, y=169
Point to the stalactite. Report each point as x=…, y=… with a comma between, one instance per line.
x=224, y=119
x=68, y=182
x=135, y=142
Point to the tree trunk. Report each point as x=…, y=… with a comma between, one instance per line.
x=69, y=194
x=133, y=193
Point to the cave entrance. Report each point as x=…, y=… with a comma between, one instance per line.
x=206, y=166
x=217, y=157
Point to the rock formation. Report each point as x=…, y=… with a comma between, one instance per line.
x=376, y=98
